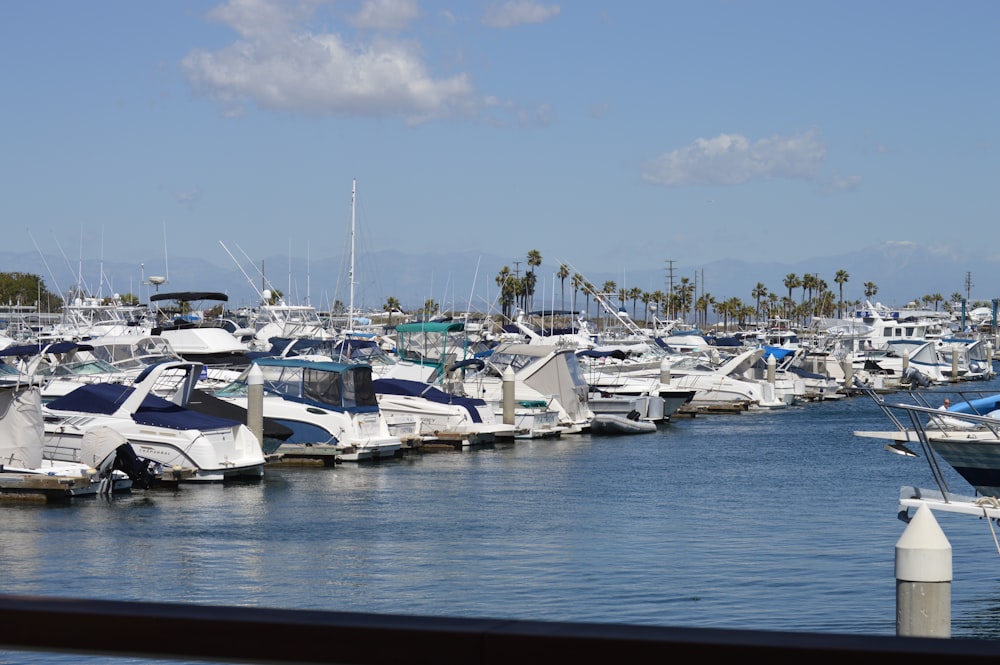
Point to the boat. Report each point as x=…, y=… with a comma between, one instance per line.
x=720, y=382
x=965, y=435
x=331, y=409
x=440, y=416
x=543, y=374
x=110, y=465
x=195, y=335
x=612, y=423
x=182, y=443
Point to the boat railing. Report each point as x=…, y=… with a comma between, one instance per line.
x=922, y=417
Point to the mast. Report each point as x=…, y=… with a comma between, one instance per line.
x=350, y=274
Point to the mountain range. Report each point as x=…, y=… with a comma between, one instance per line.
x=464, y=281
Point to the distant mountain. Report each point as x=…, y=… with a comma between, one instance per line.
x=460, y=281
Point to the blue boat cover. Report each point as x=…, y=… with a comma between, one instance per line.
x=776, y=351
x=425, y=390
x=105, y=398
x=980, y=406
x=611, y=353
x=35, y=349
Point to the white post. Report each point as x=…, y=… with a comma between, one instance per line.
x=665, y=372
x=849, y=371
x=923, y=578
x=255, y=403
x=954, y=362
x=906, y=361
x=771, y=369
x=508, y=396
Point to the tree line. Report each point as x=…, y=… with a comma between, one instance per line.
x=799, y=299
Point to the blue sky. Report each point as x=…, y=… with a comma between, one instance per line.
x=606, y=135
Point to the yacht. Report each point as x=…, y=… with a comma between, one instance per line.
x=182, y=443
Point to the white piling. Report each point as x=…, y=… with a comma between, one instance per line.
x=849, y=370
x=954, y=362
x=923, y=578
x=508, y=396
x=772, y=365
x=906, y=360
x=255, y=403
x=666, y=368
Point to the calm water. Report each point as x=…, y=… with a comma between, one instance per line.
x=770, y=520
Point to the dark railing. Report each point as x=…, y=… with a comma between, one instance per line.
x=259, y=635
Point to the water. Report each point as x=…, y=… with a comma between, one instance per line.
x=768, y=520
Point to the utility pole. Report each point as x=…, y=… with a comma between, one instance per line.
x=968, y=286
x=670, y=288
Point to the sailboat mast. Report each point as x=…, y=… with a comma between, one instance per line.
x=350, y=274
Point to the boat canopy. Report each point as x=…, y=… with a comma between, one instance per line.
x=35, y=349
x=187, y=296
x=431, y=326
x=331, y=385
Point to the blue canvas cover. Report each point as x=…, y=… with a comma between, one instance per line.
x=105, y=398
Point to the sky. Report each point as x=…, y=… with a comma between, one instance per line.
x=605, y=135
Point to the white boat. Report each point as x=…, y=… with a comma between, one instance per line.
x=286, y=321
x=720, y=383
x=439, y=415
x=195, y=335
x=331, y=408
x=966, y=436
x=110, y=464
x=611, y=423
x=184, y=444
x=542, y=373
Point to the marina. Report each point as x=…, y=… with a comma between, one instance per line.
x=761, y=519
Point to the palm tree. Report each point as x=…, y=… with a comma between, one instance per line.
x=841, y=278
x=577, y=283
x=758, y=292
x=634, y=294
x=871, y=288
x=792, y=281
x=534, y=260
x=607, y=290
x=808, y=283
x=391, y=305
x=562, y=275
x=704, y=302
x=503, y=280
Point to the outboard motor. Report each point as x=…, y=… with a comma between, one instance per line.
x=916, y=377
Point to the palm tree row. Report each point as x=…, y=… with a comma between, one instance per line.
x=682, y=302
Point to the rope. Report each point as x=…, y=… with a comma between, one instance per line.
x=985, y=503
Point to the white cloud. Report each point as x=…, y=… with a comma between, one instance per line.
x=518, y=12
x=280, y=65
x=385, y=14
x=732, y=159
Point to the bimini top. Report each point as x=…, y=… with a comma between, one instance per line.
x=187, y=296
x=432, y=326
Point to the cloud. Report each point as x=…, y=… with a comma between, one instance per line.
x=518, y=12
x=280, y=65
x=732, y=159
x=189, y=197
x=385, y=14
